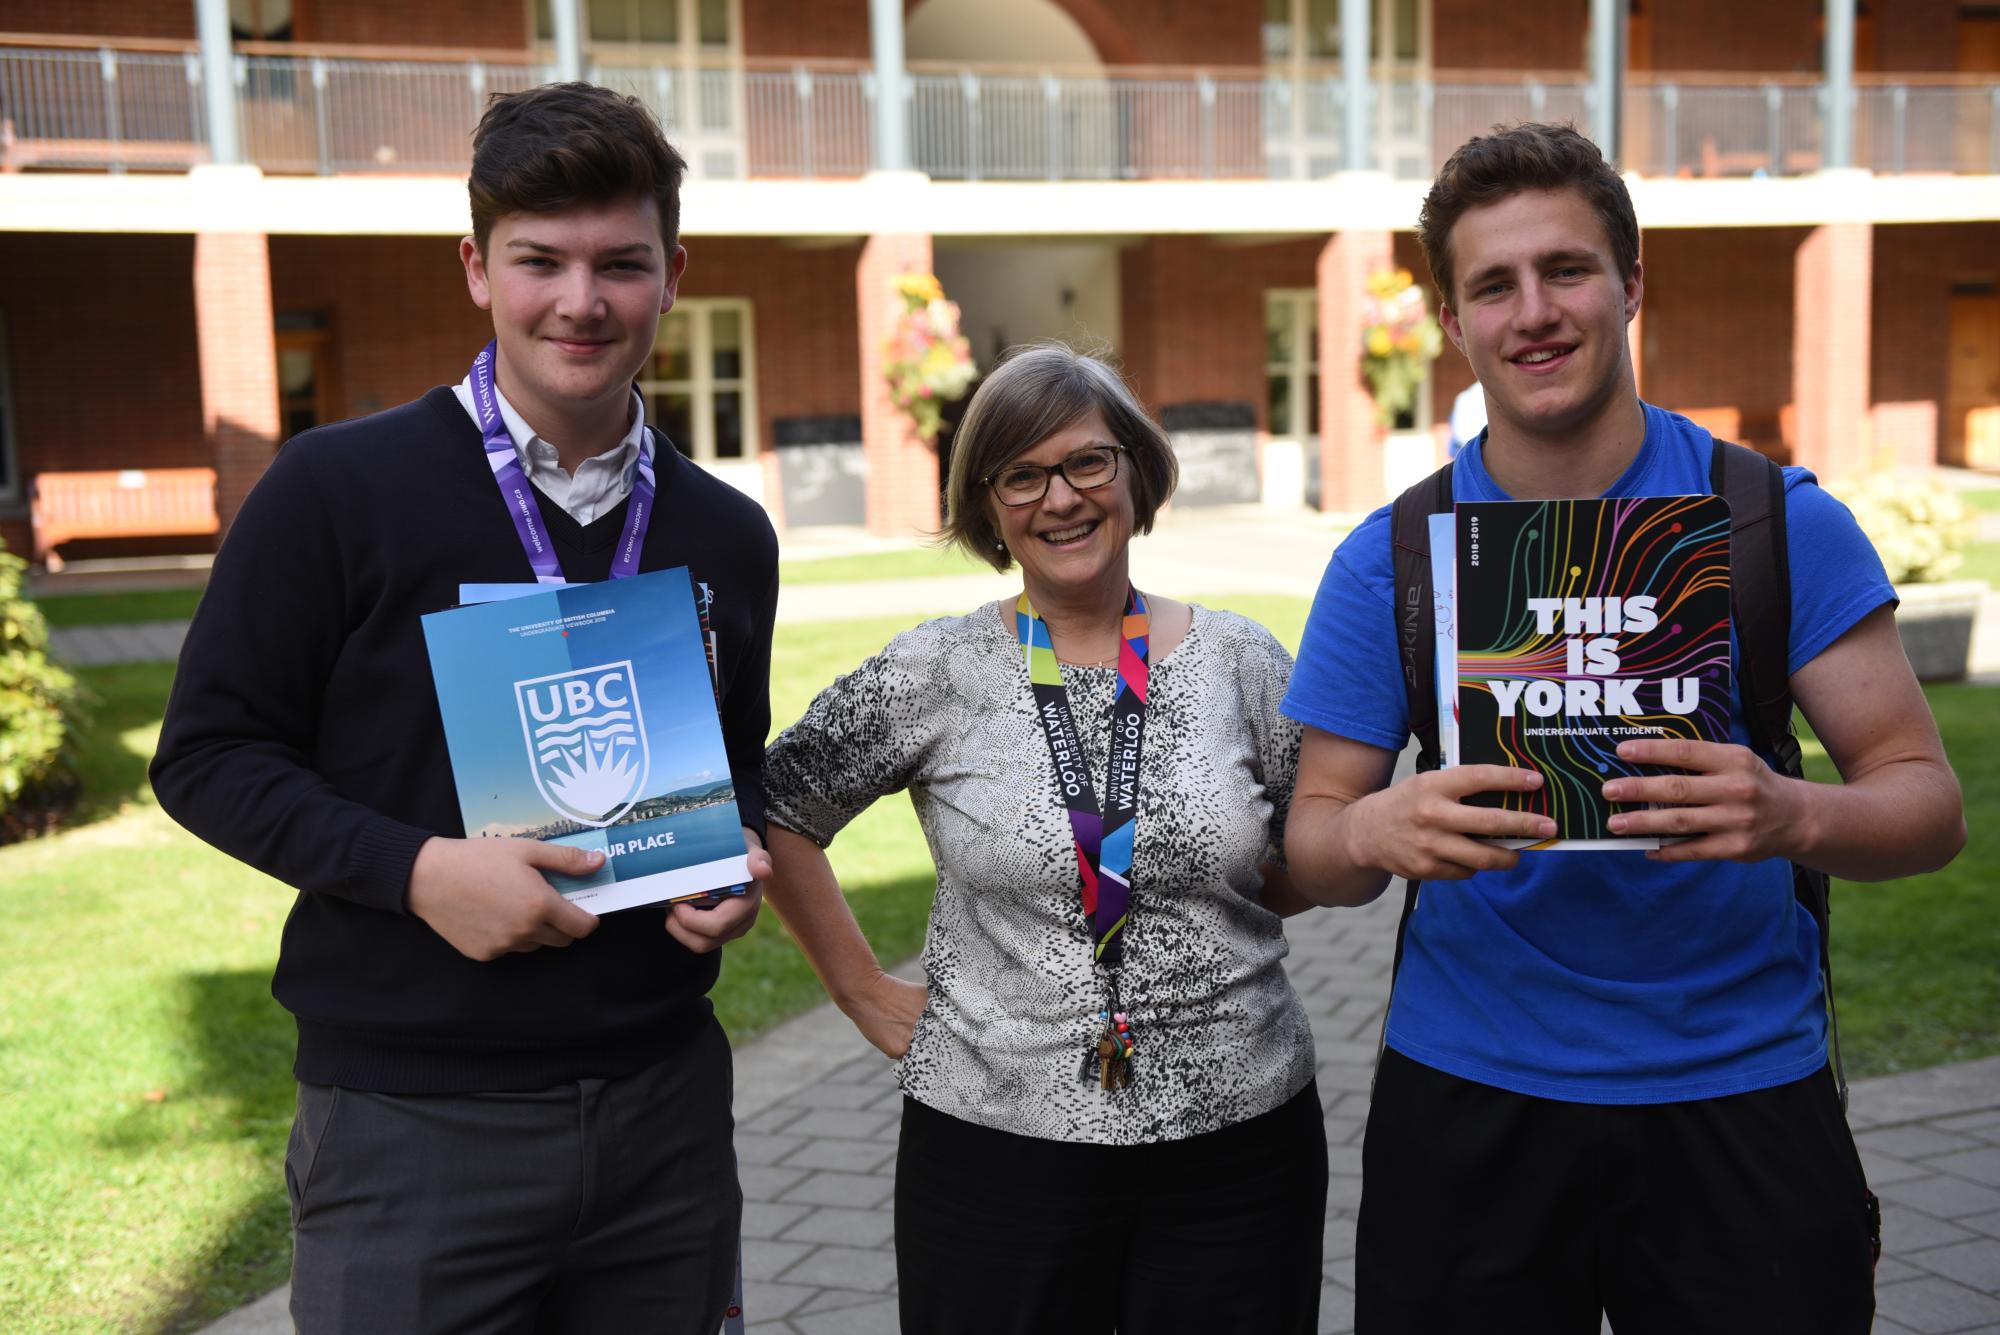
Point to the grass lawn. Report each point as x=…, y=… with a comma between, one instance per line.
x=106, y=609
x=144, y=1086
x=1982, y=559
x=899, y=563
x=111, y=609
x=1914, y=961
x=145, y=1092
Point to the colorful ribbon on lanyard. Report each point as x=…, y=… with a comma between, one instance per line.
x=1103, y=835
x=505, y=462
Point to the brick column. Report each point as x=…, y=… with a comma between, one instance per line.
x=1350, y=444
x=236, y=344
x=902, y=469
x=1833, y=276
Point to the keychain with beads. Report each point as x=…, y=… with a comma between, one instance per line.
x=1107, y=1062
x=1114, y=1051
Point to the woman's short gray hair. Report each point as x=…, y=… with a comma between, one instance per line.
x=1034, y=392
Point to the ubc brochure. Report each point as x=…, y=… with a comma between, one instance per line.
x=1568, y=627
x=585, y=715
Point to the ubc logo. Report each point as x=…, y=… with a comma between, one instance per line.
x=586, y=740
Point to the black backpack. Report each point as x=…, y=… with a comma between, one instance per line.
x=1760, y=596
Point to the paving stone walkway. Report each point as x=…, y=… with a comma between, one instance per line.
x=817, y=1108
x=818, y=1158
x=818, y=1167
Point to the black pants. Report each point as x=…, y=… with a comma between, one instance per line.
x=1496, y=1212
x=1220, y=1234
x=603, y=1207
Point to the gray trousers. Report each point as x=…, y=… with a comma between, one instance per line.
x=600, y=1206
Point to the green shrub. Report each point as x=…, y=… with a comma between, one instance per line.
x=1920, y=527
x=36, y=698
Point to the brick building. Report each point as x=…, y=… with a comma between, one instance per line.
x=224, y=220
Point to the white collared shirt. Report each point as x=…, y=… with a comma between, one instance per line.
x=599, y=483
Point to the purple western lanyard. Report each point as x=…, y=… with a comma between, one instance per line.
x=505, y=462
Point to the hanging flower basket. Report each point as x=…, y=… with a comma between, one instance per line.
x=1400, y=339
x=926, y=361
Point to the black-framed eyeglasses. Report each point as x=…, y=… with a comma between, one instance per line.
x=1087, y=469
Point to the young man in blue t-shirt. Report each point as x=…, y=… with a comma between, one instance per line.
x=1605, y=1087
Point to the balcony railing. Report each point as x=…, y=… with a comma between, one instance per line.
x=76, y=109
x=143, y=109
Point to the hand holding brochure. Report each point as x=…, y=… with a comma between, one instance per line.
x=585, y=715
x=1579, y=625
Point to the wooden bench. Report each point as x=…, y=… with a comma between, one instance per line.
x=1748, y=162
x=17, y=153
x=132, y=503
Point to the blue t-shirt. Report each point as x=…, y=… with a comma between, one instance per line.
x=1598, y=977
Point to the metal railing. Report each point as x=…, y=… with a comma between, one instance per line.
x=105, y=108
x=1769, y=129
x=322, y=116
x=808, y=123
x=969, y=127
x=75, y=109
x=1934, y=128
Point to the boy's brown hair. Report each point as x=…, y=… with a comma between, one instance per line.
x=564, y=144
x=1491, y=167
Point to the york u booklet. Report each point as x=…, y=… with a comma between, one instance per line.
x=585, y=715
x=1574, y=626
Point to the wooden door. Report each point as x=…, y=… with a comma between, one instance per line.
x=308, y=383
x=1978, y=54
x=1978, y=44
x=1972, y=390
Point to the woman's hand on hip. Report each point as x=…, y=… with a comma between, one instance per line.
x=886, y=1012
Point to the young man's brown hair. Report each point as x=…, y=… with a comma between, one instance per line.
x=563, y=144
x=1489, y=168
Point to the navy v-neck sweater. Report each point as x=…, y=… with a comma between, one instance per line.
x=303, y=737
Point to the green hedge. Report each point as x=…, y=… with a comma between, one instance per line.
x=36, y=699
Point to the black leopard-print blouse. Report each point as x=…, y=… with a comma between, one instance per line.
x=946, y=712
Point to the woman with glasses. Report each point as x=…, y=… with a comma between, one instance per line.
x=1109, y=1117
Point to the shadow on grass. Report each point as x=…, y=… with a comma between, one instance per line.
x=239, y=1078
x=114, y=739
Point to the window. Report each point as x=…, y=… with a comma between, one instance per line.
x=701, y=385
x=1301, y=36
x=1291, y=363
x=682, y=58
x=308, y=382
x=261, y=20
x=10, y=471
x=1283, y=19
x=704, y=25
x=1302, y=49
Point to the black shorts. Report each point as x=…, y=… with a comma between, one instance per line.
x=1485, y=1210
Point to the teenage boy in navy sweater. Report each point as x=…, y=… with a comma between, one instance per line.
x=512, y=1115
x=1605, y=1086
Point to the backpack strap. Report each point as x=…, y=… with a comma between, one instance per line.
x=1760, y=596
x=1410, y=532
x=1416, y=638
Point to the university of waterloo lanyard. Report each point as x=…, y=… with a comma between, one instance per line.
x=505, y=462
x=1103, y=835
